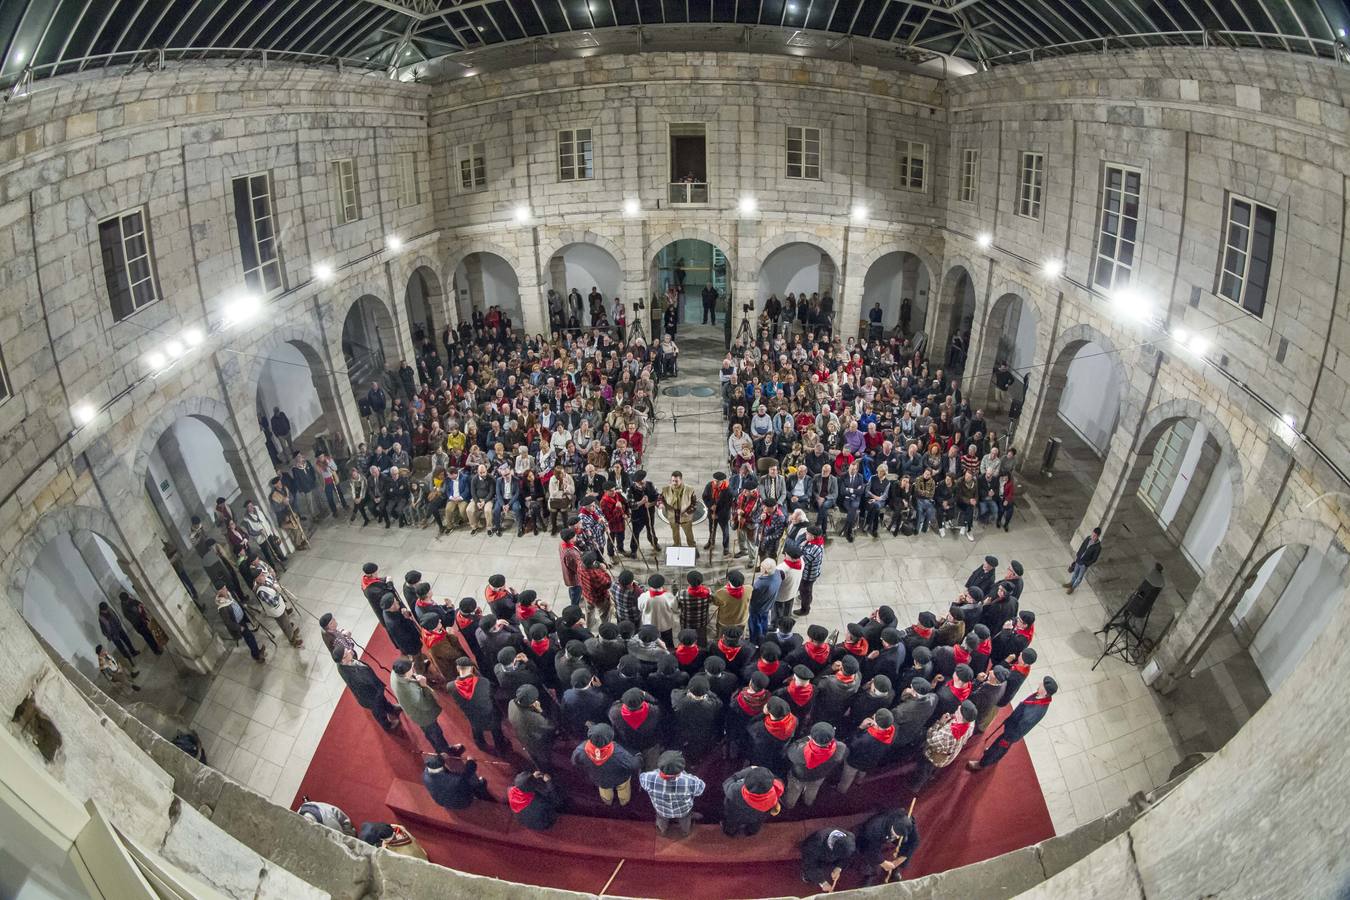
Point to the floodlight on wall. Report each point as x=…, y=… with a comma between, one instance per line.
x=985, y=240
x=1198, y=344
x=175, y=349
x=1052, y=268
x=1340, y=32
x=631, y=207
x=521, y=214
x=324, y=272
x=83, y=414
x=858, y=213
x=156, y=360
x=394, y=243
x=1181, y=336
x=747, y=206
x=1132, y=305
x=241, y=309
x=193, y=336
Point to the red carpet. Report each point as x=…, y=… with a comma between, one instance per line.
x=963, y=817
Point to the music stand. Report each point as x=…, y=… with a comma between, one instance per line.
x=1125, y=639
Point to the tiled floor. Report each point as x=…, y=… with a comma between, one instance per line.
x=1106, y=735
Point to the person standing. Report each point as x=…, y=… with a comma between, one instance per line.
x=811, y=761
x=672, y=791
x=871, y=748
x=750, y=796
x=813, y=562
x=1088, y=553
x=268, y=592
x=112, y=670
x=474, y=698
x=947, y=737
x=534, y=800
x=260, y=530
x=454, y=789
x=825, y=853
x=595, y=583
x=143, y=622
x=419, y=702
x=607, y=765
x=281, y=429
x=763, y=598
x=1028, y=713
x=732, y=602
x=237, y=623
x=533, y=728
x=709, y=297
x=570, y=557
x=366, y=687
x=678, y=500
x=657, y=607
x=887, y=842
x=695, y=605
x=111, y=627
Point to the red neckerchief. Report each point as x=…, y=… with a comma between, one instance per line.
x=1029, y=632
x=768, y=668
x=518, y=799
x=885, y=735
x=717, y=488
x=729, y=652
x=599, y=755
x=463, y=622
x=494, y=594
x=813, y=754
x=755, y=704
x=959, y=729
x=961, y=692
x=634, y=718
x=737, y=592
x=783, y=728
x=922, y=632
x=818, y=541
x=1024, y=668
x=686, y=653
x=818, y=652
x=526, y=612
x=655, y=592
x=540, y=647
x=368, y=580
x=801, y=694
x=985, y=647
x=858, y=647
x=962, y=655
x=792, y=563
x=699, y=592
x=845, y=679
x=466, y=685
x=1033, y=700
x=432, y=638
x=765, y=801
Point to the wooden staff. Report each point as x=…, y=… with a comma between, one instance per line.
x=612, y=876
x=899, y=843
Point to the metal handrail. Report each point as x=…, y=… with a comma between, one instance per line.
x=1320, y=47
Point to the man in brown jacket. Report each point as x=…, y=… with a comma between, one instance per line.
x=733, y=602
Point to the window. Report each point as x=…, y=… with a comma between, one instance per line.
x=1118, y=230
x=913, y=158
x=803, y=152
x=127, y=264
x=472, y=167
x=408, y=191
x=1032, y=183
x=970, y=174
x=344, y=183
x=1165, y=464
x=576, y=158
x=1249, y=248
x=257, y=234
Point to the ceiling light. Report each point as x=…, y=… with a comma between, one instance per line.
x=193, y=336
x=237, y=312
x=18, y=54
x=985, y=240
x=792, y=7
x=323, y=272
x=858, y=213
x=155, y=360
x=481, y=28
x=394, y=243
x=1052, y=268
x=1340, y=32
x=747, y=206
x=83, y=414
x=522, y=214
x=631, y=207
x=1199, y=345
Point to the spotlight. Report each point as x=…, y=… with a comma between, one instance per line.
x=324, y=272
x=1340, y=32
x=522, y=214
x=155, y=360
x=792, y=7
x=1199, y=345
x=985, y=240
x=631, y=207
x=1052, y=268
x=858, y=213
x=83, y=414
x=1132, y=304
x=193, y=337
x=174, y=349
x=747, y=206
x=394, y=243
x=1181, y=336
x=239, y=311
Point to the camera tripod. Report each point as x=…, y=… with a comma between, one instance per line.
x=743, y=331
x=639, y=329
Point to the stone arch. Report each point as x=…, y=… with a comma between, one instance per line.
x=567, y=237
x=54, y=523
x=993, y=330
x=456, y=255
x=335, y=395
x=919, y=304
x=210, y=411
x=771, y=245
x=433, y=299
x=365, y=353
x=949, y=313
x=1066, y=347
x=1157, y=418
x=692, y=233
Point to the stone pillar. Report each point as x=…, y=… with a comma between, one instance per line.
x=909, y=290
x=1275, y=586
x=110, y=581
x=181, y=477
x=557, y=275
x=827, y=278
x=1194, y=491
x=473, y=270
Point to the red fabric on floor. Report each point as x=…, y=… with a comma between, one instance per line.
x=963, y=817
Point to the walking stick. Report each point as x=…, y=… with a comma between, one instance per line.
x=612, y=876
x=899, y=843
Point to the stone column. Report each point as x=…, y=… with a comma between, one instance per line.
x=110, y=581
x=172, y=454
x=1194, y=490
x=909, y=289
x=557, y=275
x=473, y=270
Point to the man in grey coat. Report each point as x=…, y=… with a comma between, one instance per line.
x=420, y=705
x=532, y=726
x=917, y=706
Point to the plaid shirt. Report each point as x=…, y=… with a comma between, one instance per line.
x=942, y=747
x=672, y=798
x=695, y=611
x=625, y=601
x=594, y=583
x=813, y=559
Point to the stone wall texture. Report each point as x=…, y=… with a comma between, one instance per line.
x=1198, y=125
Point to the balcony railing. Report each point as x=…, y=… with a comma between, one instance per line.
x=688, y=192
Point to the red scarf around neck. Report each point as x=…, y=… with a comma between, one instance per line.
x=686, y=653
x=518, y=799
x=959, y=729
x=962, y=655
x=751, y=703
x=524, y=613
x=817, y=541
x=986, y=647
x=793, y=563
x=368, y=580
x=961, y=691
x=540, y=647
x=463, y=622
x=801, y=694
x=737, y=592
x=813, y=754
x=922, y=632
x=768, y=668
x=765, y=801
x=1029, y=632
x=599, y=755
x=698, y=592
x=1033, y=700
x=466, y=685
x=845, y=679
x=729, y=652
x=858, y=647
x=494, y=594
x=634, y=718
x=783, y=728
x=818, y=652
x=885, y=735
x=1023, y=668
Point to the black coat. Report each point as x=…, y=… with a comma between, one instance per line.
x=911, y=720
x=452, y=790
x=403, y=632
x=887, y=662
x=605, y=655
x=642, y=737
x=767, y=750
x=696, y=722
x=583, y=708
x=982, y=580
x=543, y=809
x=620, y=767
x=866, y=753
x=796, y=758
x=819, y=860
x=833, y=698
x=735, y=811
x=874, y=838
x=362, y=681
x=478, y=708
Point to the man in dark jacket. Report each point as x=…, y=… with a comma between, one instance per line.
x=473, y=695
x=871, y=748
x=1087, y=555
x=565, y=664
x=920, y=666
x=513, y=670
x=534, y=800
x=872, y=696
x=983, y=577
x=917, y=707
x=835, y=690
x=606, y=764
x=697, y=718
x=1028, y=713
x=1017, y=675
x=886, y=842
x=636, y=720
x=606, y=649
x=402, y=629
x=533, y=728
x=812, y=760
x=584, y=704
x=886, y=657
x=366, y=687
x=799, y=693
x=750, y=796
x=825, y=854
x=770, y=735
x=454, y=789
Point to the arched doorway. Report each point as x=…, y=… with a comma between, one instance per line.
x=483, y=280
x=1009, y=339
x=690, y=264
x=586, y=267
x=955, y=312
x=369, y=345
x=799, y=268
x=293, y=380
x=890, y=281
x=422, y=298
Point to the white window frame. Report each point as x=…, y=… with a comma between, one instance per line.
x=256, y=277
x=471, y=161
x=347, y=195
x=126, y=244
x=1113, y=213
x=807, y=167
x=576, y=154
x=1168, y=455
x=1240, y=275
x=970, y=175
x=409, y=191
x=1030, y=184
x=906, y=159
